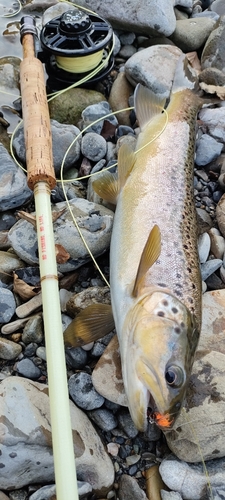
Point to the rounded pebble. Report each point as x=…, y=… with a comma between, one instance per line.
x=28, y=369
x=9, y=350
x=83, y=392
x=103, y=418
x=7, y=305
x=76, y=357
x=93, y=146
x=33, y=331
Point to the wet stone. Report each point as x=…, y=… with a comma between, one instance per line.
x=210, y=267
x=103, y=418
x=7, y=305
x=96, y=111
x=26, y=368
x=30, y=349
x=14, y=191
x=129, y=489
x=33, y=330
x=127, y=425
x=76, y=357
x=9, y=350
x=93, y=146
x=83, y=392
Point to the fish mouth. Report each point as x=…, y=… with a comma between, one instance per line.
x=163, y=421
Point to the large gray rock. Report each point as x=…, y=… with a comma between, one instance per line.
x=154, y=67
x=145, y=16
x=191, y=481
x=94, y=221
x=26, y=442
x=13, y=183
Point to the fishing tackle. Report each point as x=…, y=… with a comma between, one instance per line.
x=73, y=45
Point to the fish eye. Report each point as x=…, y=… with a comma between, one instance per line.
x=174, y=376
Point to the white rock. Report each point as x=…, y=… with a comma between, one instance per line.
x=203, y=247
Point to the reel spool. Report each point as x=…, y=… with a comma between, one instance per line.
x=73, y=45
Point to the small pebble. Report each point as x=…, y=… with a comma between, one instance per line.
x=76, y=357
x=83, y=392
x=203, y=247
x=30, y=349
x=7, y=305
x=41, y=353
x=33, y=330
x=26, y=368
x=210, y=267
x=103, y=418
x=9, y=350
x=112, y=449
x=127, y=425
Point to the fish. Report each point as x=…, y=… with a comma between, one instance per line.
x=155, y=278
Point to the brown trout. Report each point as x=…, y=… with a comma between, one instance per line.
x=154, y=269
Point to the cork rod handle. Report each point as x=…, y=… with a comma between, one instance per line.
x=37, y=128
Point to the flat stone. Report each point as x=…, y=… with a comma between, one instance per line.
x=108, y=369
x=119, y=97
x=14, y=191
x=26, y=438
x=209, y=267
x=154, y=67
x=94, y=221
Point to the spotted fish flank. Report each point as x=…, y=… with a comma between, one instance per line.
x=154, y=269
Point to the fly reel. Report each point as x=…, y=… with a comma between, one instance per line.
x=74, y=45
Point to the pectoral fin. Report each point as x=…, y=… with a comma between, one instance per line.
x=149, y=256
x=126, y=161
x=90, y=324
x=107, y=187
x=147, y=105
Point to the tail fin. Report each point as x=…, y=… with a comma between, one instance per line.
x=184, y=78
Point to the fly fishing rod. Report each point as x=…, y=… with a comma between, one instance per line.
x=41, y=179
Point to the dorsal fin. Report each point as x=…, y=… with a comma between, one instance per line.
x=107, y=187
x=149, y=256
x=90, y=324
x=147, y=105
x=126, y=160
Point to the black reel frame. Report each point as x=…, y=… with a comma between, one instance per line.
x=75, y=34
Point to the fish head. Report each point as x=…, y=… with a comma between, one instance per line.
x=159, y=359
